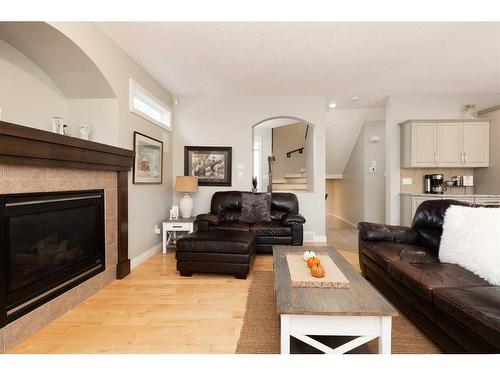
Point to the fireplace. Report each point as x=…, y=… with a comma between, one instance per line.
x=49, y=243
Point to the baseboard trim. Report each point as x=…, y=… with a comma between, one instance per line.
x=310, y=236
x=320, y=238
x=134, y=262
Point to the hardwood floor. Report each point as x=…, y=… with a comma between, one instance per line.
x=154, y=310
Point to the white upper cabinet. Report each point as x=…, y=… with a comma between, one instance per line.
x=450, y=143
x=476, y=144
x=423, y=145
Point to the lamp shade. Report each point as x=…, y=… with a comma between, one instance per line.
x=186, y=184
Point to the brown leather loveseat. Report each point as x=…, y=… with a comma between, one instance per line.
x=285, y=227
x=457, y=309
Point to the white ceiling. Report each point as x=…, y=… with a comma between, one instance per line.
x=370, y=60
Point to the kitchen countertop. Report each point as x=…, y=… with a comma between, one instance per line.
x=453, y=195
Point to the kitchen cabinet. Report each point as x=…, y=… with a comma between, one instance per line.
x=449, y=145
x=445, y=143
x=476, y=144
x=423, y=150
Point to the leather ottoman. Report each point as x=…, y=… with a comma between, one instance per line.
x=216, y=251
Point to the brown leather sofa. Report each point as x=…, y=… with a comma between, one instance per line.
x=457, y=309
x=285, y=227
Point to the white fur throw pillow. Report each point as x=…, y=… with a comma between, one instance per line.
x=471, y=239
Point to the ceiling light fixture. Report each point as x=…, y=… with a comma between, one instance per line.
x=355, y=98
x=332, y=105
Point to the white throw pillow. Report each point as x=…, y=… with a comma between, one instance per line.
x=471, y=239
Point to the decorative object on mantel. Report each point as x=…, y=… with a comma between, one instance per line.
x=85, y=131
x=186, y=185
x=57, y=125
x=148, y=164
x=212, y=165
x=301, y=276
x=470, y=111
x=254, y=184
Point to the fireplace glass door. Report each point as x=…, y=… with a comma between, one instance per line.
x=49, y=240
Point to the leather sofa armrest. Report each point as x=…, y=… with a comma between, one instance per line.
x=389, y=233
x=212, y=219
x=292, y=218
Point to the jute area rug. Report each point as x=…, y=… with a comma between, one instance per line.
x=260, y=333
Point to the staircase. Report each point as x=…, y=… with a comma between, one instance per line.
x=291, y=182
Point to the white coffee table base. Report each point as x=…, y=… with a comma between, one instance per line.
x=366, y=328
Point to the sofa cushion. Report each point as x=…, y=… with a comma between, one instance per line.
x=423, y=278
x=477, y=308
x=217, y=241
x=385, y=252
x=255, y=207
x=477, y=248
x=285, y=202
x=270, y=228
x=234, y=225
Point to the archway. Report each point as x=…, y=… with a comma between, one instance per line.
x=283, y=154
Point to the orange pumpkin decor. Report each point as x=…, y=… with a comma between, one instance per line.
x=311, y=262
x=318, y=271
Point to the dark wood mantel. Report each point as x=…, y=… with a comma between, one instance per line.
x=24, y=145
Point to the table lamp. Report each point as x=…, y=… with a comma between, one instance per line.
x=186, y=185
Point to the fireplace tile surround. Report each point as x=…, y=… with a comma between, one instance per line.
x=15, y=178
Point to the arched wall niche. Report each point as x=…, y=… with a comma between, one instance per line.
x=59, y=57
x=45, y=74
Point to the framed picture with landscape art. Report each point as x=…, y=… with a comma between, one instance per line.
x=212, y=165
x=148, y=164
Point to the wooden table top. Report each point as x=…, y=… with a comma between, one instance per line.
x=361, y=299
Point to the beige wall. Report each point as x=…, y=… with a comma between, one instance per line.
x=27, y=94
x=342, y=130
x=417, y=176
x=285, y=139
x=487, y=180
x=228, y=121
x=349, y=191
x=334, y=201
x=102, y=114
x=359, y=195
x=374, y=194
x=264, y=134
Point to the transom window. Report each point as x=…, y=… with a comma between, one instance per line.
x=149, y=107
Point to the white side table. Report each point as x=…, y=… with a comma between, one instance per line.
x=172, y=227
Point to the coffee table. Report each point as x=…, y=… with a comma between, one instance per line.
x=358, y=311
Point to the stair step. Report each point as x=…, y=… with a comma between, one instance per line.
x=295, y=175
x=296, y=180
x=279, y=181
x=279, y=187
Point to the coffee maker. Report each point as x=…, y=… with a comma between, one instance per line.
x=434, y=183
